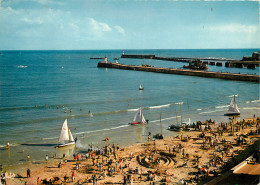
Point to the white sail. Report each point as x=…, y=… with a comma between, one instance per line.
x=233, y=108
x=139, y=116
x=140, y=87
x=71, y=139
x=64, y=134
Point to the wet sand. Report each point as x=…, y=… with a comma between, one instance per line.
x=189, y=156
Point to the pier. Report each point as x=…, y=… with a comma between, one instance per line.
x=207, y=74
x=178, y=59
x=211, y=61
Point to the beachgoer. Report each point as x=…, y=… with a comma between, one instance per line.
x=8, y=145
x=46, y=157
x=94, y=179
x=65, y=178
x=28, y=157
x=73, y=176
x=3, y=181
x=28, y=173
x=124, y=179
x=38, y=180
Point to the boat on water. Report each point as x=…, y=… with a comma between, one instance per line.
x=22, y=66
x=139, y=118
x=66, y=138
x=233, y=108
x=140, y=87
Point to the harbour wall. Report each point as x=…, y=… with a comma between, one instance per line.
x=180, y=59
x=210, y=61
x=207, y=74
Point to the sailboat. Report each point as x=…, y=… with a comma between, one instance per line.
x=160, y=136
x=189, y=121
x=233, y=108
x=140, y=87
x=176, y=127
x=139, y=118
x=66, y=137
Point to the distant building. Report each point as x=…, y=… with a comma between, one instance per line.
x=255, y=57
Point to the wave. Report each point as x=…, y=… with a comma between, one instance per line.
x=50, y=138
x=198, y=109
x=179, y=103
x=233, y=95
x=68, y=115
x=100, y=130
x=224, y=106
x=253, y=101
x=207, y=112
x=130, y=110
x=11, y=145
x=164, y=119
x=160, y=106
x=247, y=108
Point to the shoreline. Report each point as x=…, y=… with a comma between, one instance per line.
x=175, y=171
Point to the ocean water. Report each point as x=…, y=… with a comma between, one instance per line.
x=37, y=87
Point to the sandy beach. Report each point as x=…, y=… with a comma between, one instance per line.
x=192, y=157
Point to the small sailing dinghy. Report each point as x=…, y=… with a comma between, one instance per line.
x=66, y=138
x=139, y=118
x=233, y=108
x=140, y=87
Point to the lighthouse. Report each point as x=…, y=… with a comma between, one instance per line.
x=123, y=52
x=105, y=59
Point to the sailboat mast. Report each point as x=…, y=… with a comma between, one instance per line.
x=161, y=122
x=141, y=114
x=181, y=113
x=68, y=129
x=176, y=116
x=189, y=109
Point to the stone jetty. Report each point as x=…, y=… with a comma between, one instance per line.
x=207, y=74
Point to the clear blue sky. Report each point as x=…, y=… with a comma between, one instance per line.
x=128, y=24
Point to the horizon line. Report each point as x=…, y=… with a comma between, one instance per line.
x=120, y=49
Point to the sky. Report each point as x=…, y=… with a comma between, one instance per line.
x=129, y=24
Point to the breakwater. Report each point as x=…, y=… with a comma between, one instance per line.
x=210, y=61
x=178, y=59
x=207, y=74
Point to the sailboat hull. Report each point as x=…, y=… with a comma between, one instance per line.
x=137, y=123
x=67, y=144
x=232, y=114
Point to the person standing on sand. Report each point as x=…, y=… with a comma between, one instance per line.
x=94, y=179
x=28, y=173
x=73, y=176
x=124, y=179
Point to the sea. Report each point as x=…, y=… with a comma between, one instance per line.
x=40, y=89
